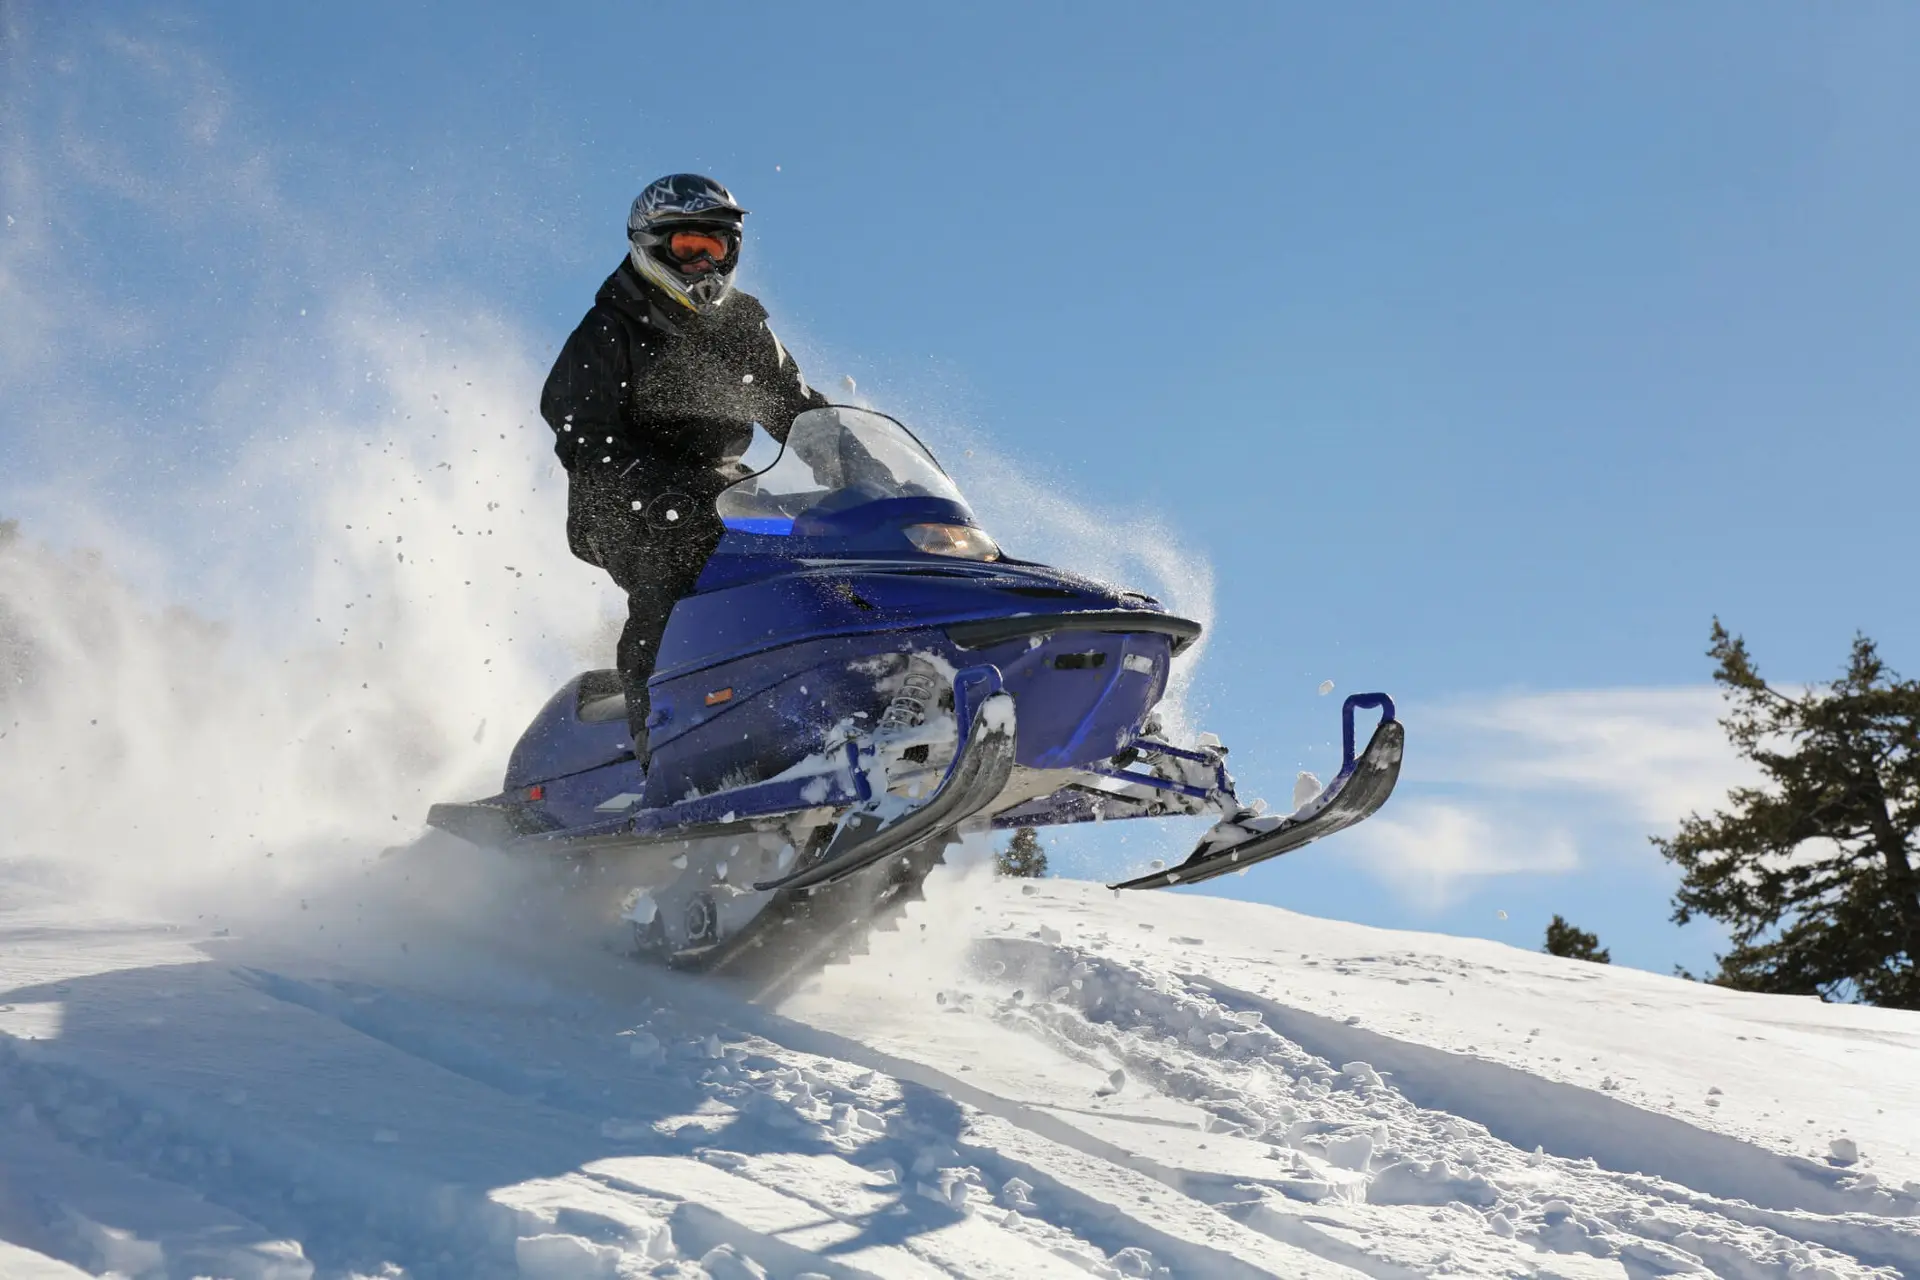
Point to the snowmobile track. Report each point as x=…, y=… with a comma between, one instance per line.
x=807, y=929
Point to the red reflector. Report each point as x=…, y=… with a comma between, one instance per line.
x=536, y=793
x=719, y=696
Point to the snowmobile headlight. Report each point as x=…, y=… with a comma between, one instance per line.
x=959, y=540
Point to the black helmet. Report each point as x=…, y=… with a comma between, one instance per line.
x=685, y=235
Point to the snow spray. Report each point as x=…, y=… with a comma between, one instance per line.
x=289, y=562
x=312, y=577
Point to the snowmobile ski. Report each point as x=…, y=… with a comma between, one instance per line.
x=1356, y=793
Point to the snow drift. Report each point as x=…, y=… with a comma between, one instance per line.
x=1026, y=1080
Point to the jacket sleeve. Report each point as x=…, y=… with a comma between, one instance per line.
x=583, y=398
x=790, y=391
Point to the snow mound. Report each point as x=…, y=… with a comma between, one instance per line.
x=1040, y=1080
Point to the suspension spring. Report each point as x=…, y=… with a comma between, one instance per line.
x=917, y=689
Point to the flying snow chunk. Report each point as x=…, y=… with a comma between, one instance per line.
x=1136, y=1261
x=724, y=1262
x=1306, y=789
x=1361, y=1073
x=1351, y=1151
x=1326, y=687
x=553, y=1256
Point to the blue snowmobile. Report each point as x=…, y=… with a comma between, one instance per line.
x=860, y=678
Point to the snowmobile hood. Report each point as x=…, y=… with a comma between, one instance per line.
x=817, y=547
x=776, y=602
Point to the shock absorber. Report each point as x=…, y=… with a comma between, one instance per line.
x=917, y=689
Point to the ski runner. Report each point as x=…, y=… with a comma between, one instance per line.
x=659, y=385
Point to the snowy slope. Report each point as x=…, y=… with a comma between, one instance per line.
x=1025, y=1081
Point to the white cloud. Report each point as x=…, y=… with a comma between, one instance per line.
x=1657, y=754
x=1544, y=783
x=1428, y=851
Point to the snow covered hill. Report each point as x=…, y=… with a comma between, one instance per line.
x=1027, y=1080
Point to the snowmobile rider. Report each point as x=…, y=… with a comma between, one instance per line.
x=658, y=387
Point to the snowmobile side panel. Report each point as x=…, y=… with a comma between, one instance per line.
x=1083, y=696
x=755, y=718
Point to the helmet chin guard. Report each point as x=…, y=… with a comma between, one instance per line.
x=678, y=202
x=698, y=292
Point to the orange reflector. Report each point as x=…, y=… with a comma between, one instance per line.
x=536, y=793
x=719, y=696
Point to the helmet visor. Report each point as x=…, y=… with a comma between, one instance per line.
x=712, y=243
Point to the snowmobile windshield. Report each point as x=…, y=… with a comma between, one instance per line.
x=836, y=459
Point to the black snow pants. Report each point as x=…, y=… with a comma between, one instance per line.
x=656, y=566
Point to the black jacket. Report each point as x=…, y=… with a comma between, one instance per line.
x=647, y=395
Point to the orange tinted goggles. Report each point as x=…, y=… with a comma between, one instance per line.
x=690, y=246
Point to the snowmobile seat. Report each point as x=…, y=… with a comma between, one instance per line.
x=583, y=726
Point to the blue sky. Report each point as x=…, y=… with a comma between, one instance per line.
x=1484, y=352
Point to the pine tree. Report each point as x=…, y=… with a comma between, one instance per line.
x=1814, y=872
x=1574, y=944
x=1023, y=855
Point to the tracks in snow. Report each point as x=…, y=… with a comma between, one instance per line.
x=1397, y=1160
x=636, y=1123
